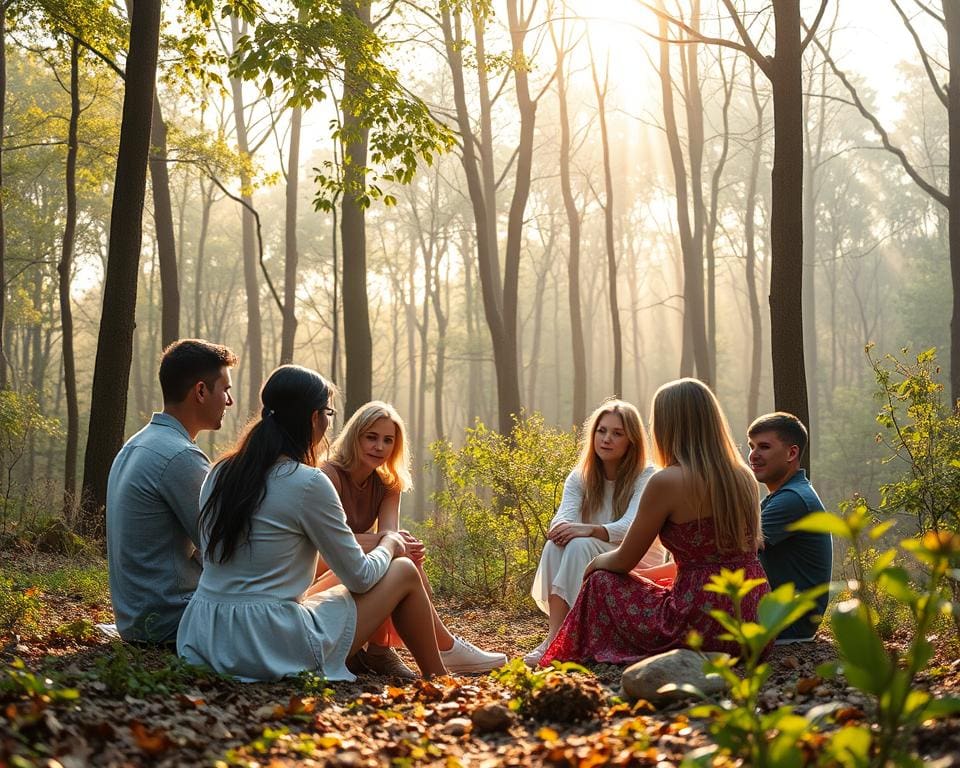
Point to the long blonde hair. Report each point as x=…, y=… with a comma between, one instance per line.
x=631, y=465
x=689, y=429
x=395, y=471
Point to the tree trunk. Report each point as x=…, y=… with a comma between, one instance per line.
x=786, y=219
x=713, y=218
x=749, y=235
x=358, y=344
x=163, y=222
x=501, y=323
x=254, y=340
x=111, y=375
x=207, y=204
x=693, y=263
x=616, y=332
x=289, y=331
x=689, y=271
x=951, y=15
x=579, y=404
x=65, y=271
x=3, y=232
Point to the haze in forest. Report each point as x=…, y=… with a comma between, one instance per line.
x=602, y=213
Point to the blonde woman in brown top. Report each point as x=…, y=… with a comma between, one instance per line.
x=369, y=466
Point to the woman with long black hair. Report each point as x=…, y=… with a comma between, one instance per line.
x=267, y=514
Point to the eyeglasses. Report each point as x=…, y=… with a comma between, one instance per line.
x=329, y=412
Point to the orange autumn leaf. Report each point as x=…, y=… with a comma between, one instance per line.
x=152, y=741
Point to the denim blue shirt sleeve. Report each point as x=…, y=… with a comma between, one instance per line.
x=153, y=497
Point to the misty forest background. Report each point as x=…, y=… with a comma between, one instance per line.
x=588, y=210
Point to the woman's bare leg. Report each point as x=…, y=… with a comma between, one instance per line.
x=400, y=595
x=558, y=612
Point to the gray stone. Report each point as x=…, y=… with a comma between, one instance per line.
x=644, y=679
x=491, y=718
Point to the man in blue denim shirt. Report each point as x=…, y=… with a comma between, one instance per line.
x=153, y=494
x=777, y=442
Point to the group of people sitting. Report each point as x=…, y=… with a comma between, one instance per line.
x=287, y=555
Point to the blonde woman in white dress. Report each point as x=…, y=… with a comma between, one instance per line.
x=600, y=500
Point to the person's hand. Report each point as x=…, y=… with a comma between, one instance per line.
x=394, y=542
x=415, y=548
x=563, y=533
x=599, y=563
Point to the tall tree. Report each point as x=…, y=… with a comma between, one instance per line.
x=949, y=97
x=783, y=69
x=600, y=90
x=499, y=294
x=251, y=280
x=357, y=341
x=690, y=211
x=573, y=240
x=163, y=226
x=65, y=270
x=108, y=406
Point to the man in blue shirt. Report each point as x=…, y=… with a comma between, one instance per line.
x=777, y=442
x=153, y=494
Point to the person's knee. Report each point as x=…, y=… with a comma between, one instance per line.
x=404, y=570
x=582, y=546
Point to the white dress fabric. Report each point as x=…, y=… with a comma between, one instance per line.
x=561, y=568
x=249, y=617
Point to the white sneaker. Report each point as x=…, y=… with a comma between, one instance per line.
x=533, y=658
x=464, y=657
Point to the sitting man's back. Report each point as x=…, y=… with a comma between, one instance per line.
x=777, y=442
x=153, y=494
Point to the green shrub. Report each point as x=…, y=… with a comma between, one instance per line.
x=496, y=499
x=130, y=670
x=884, y=673
x=19, y=608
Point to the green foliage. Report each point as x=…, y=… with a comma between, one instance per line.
x=300, y=51
x=496, y=499
x=19, y=608
x=738, y=728
x=885, y=674
x=20, y=417
x=130, y=670
x=24, y=698
x=922, y=431
x=523, y=682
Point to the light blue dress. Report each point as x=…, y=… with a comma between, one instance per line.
x=249, y=617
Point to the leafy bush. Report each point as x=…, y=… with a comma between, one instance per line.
x=20, y=417
x=497, y=497
x=885, y=674
x=19, y=608
x=922, y=433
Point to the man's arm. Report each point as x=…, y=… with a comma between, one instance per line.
x=781, y=511
x=180, y=488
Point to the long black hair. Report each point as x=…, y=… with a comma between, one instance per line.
x=289, y=397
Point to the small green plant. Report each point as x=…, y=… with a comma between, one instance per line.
x=523, y=682
x=312, y=684
x=19, y=608
x=497, y=496
x=884, y=673
x=737, y=726
x=130, y=670
x=79, y=629
x=25, y=697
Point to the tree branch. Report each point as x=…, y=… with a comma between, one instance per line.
x=746, y=48
x=813, y=27
x=912, y=172
x=937, y=88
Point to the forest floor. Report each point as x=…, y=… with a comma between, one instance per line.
x=125, y=706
